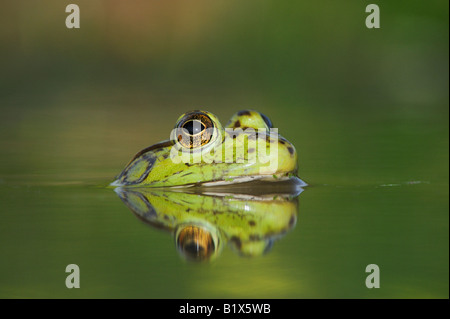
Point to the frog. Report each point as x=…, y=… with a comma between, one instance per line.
x=203, y=222
x=201, y=152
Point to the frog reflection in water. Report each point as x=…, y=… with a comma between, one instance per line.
x=210, y=197
x=203, y=222
x=246, y=149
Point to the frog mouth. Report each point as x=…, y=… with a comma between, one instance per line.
x=253, y=188
x=252, y=179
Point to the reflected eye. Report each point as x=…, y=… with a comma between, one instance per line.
x=195, y=243
x=194, y=130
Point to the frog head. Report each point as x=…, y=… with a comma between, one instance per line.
x=201, y=152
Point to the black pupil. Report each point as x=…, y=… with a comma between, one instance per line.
x=194, y=127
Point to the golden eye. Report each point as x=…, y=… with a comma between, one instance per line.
x=194, y=130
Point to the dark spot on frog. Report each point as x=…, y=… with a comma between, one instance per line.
x=188, y=210
x=268, y=139
x=232, y=134
x=291, y=150
x=236, y=241
x=176, y=173
x=252, y=223
x=242, y=113
x=237, y=123
x=186, y=174
x=282, y=142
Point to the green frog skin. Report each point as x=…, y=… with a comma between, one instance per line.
x=202, y=223
x=246, y=149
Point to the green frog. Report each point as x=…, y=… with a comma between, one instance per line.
x=249, y=220
x=201, y=152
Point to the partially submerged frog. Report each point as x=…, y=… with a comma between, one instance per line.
x=201, y=152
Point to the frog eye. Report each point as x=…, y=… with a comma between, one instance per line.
x=194, y=130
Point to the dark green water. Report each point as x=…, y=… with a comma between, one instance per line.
x=367, y=111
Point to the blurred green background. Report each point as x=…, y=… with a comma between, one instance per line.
x=367, y=110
